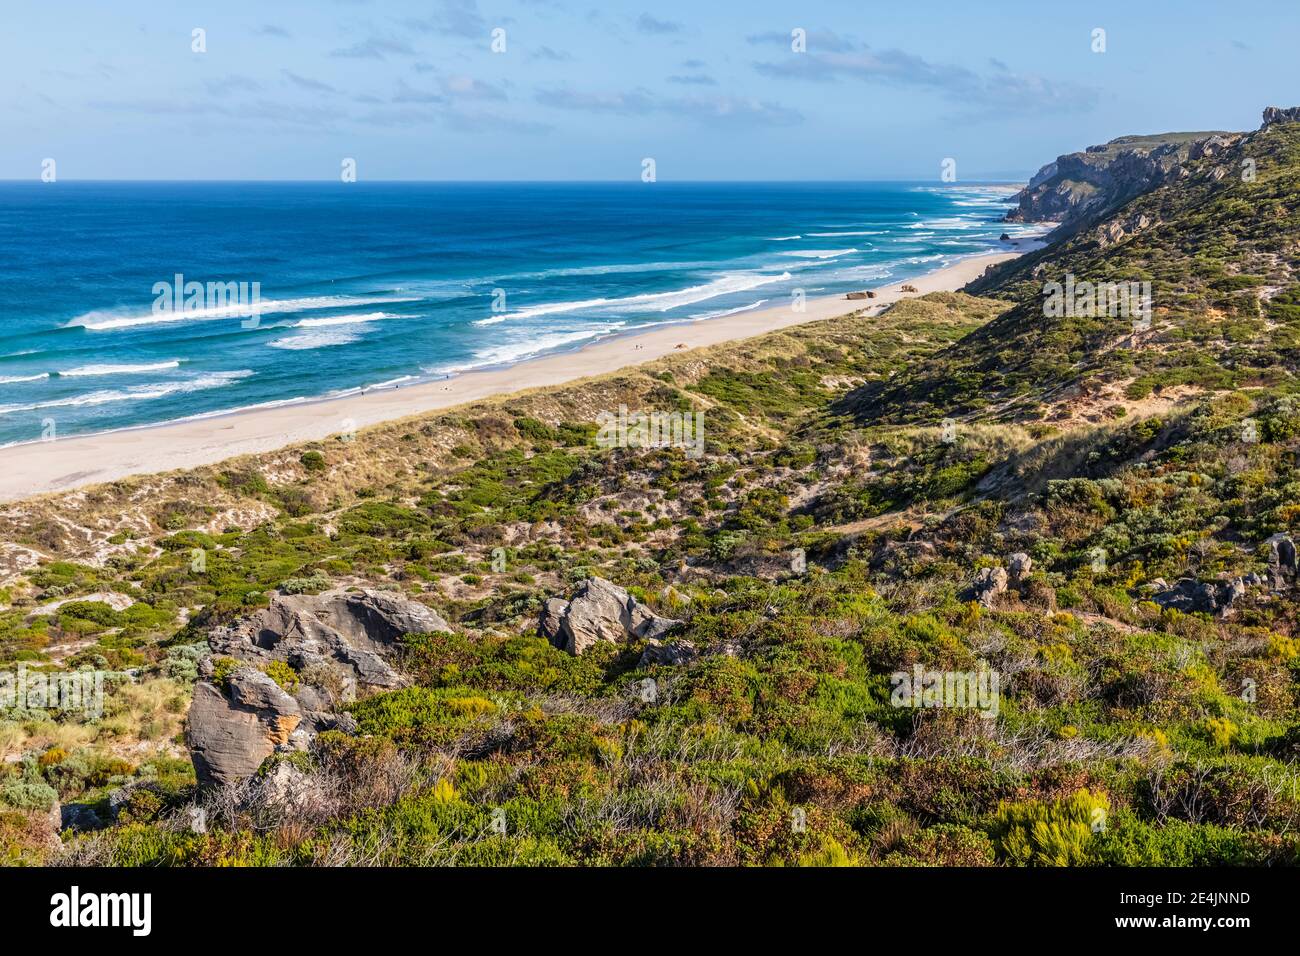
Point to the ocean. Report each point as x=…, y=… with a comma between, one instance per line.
x=377, y=285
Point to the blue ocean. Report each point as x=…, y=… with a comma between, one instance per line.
x=384, y=284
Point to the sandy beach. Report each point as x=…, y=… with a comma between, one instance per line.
x=41, y=467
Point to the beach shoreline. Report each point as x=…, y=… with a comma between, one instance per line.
x=32, y=469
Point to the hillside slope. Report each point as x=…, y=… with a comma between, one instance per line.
x=694, y=655
x=1218, y=245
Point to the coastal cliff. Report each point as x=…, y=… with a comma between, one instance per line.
x=1087, y=185
x=1080, y=189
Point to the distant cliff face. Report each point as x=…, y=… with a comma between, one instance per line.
x=1079, y=187
x=1276, y=114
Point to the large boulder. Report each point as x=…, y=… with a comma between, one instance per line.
x=1281, y=560
x=354, y=630
x=1205, y=597
x=988, y=584
x=1190, y=596
x=600, y=611
x=231, y=731
x=336, y=643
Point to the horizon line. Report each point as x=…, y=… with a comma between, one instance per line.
x=976, y=180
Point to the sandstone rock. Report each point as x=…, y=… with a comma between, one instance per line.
x=600, y=611
x=229, y=738
x=988, y=584
x=552, y=619
x=1199, y=597
x=1188, y=595
x=1281, y=560
x=1019, y=565
x=287, y=787
x=1079, y=188
x=354, y=629
x=253, y=690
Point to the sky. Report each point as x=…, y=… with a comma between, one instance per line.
x=571, y=90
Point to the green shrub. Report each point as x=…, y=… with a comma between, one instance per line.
x=282, y=674
x=313, y=461
x=28, y=794
x=1056, y=833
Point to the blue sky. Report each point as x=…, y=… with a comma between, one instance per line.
x=710, y=90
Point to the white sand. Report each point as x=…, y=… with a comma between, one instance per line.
x=41, y=467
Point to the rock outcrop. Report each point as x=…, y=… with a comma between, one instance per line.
x=350, y=631
x=232, y=729
x=671, y=654
x=1281, y=560
x=1205, y=597
x=600, y=611
x=1079, y=187
x=1020, y=565
x=335, y=643
x=1278, y=114
x=988, y=584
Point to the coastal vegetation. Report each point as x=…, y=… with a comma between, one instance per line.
x=860, y=477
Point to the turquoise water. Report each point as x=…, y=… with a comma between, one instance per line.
x=380, y=285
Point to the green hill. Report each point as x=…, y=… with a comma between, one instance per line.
x=1220, y=254
x=1088, y=530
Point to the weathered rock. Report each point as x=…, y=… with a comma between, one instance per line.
x=253, y=690
x=1276, y=114
x=229, y=738
x=988, y=584
x=355, y=629
x=1233, y=592
x=1201, y=597
x=1188, y=595
x=1019, y=566
x=552, y=619
x=1081, y=187
x=1281, y=560
x=600, y=611
x=287, y=787
x=79, y=817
